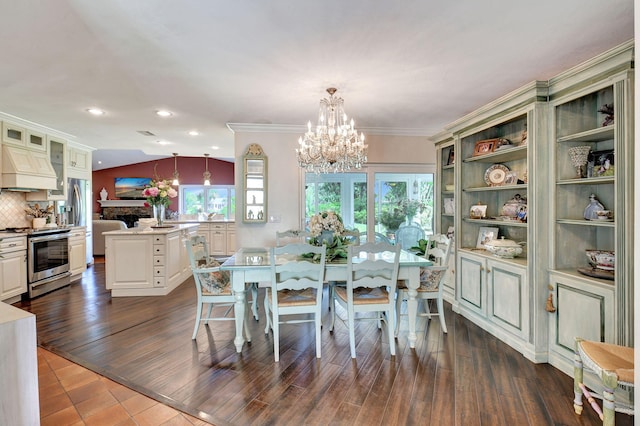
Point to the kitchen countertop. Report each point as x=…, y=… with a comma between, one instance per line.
x=174, y=227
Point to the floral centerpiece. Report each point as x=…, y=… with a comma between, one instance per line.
x=327, y=228
x=410, y=207
x=159, y=194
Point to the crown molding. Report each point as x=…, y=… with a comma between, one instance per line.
x=296, y=128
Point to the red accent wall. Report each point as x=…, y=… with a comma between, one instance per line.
x=189, y=168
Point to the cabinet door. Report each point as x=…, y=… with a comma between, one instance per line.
x=13, y=134
x=173, y=259
x=13, y=274
x=129, y=262
x=231, y=239
x=78, y=161
x=218, y=245
x=36, y=141
x=473, y=282
x=508, y=295
x=78, y=255
x=582, y=310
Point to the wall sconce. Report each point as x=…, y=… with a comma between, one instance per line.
x=175, y=182
x=206, y=175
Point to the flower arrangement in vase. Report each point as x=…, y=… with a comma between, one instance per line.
x=39, y=214
x=159, y=194
x=327, y=228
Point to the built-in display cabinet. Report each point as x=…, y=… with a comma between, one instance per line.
x=506, y=170
x=445, y=206
x=592, y=138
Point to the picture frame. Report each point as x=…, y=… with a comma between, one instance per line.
x=511, y=178
x=601, y=163
x=478, y=211
x=449, y=205
x=130, y=188
x=451, y=159
x=486, y=234
x=484, y=147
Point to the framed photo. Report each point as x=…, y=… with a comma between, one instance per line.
x=451, y=159
x=511, y=178
x=449, y=205
x=484, y=147
x=485, y=235
x=478, y=211
x=601, y=163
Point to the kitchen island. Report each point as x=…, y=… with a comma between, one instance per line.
x=149, y=262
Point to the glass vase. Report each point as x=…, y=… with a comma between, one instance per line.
x=326, y=237
x=158, y=213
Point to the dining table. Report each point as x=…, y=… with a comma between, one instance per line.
x=253, y=264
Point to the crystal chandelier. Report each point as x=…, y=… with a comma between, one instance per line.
x=335, y=146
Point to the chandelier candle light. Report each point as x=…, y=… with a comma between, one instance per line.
x=335, y=146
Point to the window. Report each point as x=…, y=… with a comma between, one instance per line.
x=214, y=199
x=343, y=193
x=399, y=199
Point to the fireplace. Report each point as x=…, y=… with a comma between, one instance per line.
x=128, y=215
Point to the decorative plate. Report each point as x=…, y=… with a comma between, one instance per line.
x=495, y=175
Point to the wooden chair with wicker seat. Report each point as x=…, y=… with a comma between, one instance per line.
x=296, y=288
x=371, y=283
x=213, y=286
x=613, y=367
x=431, y=277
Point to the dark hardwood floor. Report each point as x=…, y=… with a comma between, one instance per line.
x=465, y=377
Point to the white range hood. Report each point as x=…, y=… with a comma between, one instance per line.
x=26, y=170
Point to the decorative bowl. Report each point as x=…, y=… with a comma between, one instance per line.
x=506, y=249
x=602, y=259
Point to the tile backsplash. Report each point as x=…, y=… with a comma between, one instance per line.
x=12, y=215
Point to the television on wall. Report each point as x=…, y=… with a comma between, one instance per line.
x=130, y=188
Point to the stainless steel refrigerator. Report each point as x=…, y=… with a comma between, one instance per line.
x=78, y=209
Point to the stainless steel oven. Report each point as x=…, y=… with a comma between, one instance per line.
x=47, y=261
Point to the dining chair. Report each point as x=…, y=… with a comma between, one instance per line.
x=372, y=274
x=296, y=288
x=613, y=366
x=408, y=236
x=213, y=286
x=291, y=236
x=431, y=278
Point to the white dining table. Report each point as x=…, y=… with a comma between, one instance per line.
x=250, y=265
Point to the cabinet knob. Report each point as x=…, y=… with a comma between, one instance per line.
x=488, y=271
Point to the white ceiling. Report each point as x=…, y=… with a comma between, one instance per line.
x=406, y=67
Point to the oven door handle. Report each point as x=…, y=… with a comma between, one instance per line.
x=48, y=237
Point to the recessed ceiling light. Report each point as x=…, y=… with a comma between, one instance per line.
x=95, y=111
x=99, y=161
x=194, y=132
x=215, y=147
x=164, y=113
x=161, y=142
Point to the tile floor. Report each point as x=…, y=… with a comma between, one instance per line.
x=72, y=395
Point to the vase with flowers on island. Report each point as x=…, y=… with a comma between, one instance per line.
x=159, y=194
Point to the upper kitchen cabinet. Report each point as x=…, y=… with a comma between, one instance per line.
x=12, y=134
x=57, y=156
x=255, y=185
x=78, y=162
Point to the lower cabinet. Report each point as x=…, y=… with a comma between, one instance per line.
x=13, y=267
x=582, y=310
x=494, y=294
x=146, y=264
x=77, y=252
x=221, y=237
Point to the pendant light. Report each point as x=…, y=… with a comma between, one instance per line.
x=206, y=175
x=175, y=182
